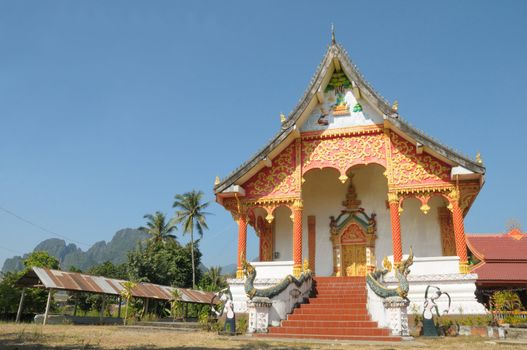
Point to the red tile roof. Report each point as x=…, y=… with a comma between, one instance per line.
x=515, y=272
x=505, y=247
x=503, y=257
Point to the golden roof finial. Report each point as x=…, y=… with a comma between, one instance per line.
x=395, y=106
x=217, y=181
x=333, y=41
x=282, y=118
x=478, y=158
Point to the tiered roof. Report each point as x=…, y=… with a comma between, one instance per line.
x=503, y=257
x=336, y=56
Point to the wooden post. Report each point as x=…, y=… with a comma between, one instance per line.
x=119, y=308
x=146, y=306
x=76, y=304
x=20, y=305
x=48, y=304
x=101, y=315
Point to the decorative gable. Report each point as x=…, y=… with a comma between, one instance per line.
x=342, y=107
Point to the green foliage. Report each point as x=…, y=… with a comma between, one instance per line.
x=41, y=259
x=157, y=227
x=166, y=263
x=213, y=280
x=9, y=295
x=505, y=300
x=191, y=214
x=514, y=320
x=241, y=324
x=110, y=270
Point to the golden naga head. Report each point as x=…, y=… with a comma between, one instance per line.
x=305, y=266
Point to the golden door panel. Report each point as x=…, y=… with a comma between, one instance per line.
x=353, y=260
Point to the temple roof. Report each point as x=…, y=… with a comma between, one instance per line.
x=335, y=56
x=503, y=247
x=503, y=257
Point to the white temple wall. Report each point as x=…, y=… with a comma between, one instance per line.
x=323, y=195
x=283, y=234
x=419, y=230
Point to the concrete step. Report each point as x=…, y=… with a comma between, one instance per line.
x=366, y=339
x=329, y=324
x=335, y=331
x=324, y=317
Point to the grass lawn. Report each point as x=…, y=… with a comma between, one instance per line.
x=30, y=336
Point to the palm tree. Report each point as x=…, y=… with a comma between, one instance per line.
x=157, y=228
x=191, y=215
x=216, y=279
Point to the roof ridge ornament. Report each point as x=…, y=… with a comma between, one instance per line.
x=333, y=41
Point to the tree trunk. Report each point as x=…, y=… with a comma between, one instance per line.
x=192, y=255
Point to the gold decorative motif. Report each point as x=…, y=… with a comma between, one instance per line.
x=478, y=158
x=343, y=178
x=410, y=168
x=393, y=197
x=464, y=268
x=343, y=152
x=282, y=118
x=446, y=227
x=395, y=106
x=217, y=181
x=425, y=208
x=277, y=180
x=269, y=218
x=298, y=204
x=387, y=264
x=305, y=266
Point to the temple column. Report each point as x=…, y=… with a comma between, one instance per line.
x=393, y=200
x=459, y=232
x=297, y=237
x=242, y=243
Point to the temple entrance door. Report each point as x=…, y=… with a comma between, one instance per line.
x=351, y=250
x=354, y=260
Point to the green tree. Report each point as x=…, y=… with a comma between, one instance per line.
x=190, y=213
x=41, y=259
x=213, y=280
x=167, y=264
x=9, y=295
x=110, y=270
x=157, y=227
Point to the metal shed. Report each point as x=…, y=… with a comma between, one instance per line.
x=38, y=277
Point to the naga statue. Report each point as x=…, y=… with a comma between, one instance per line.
x=376, y=283
x=250, y=274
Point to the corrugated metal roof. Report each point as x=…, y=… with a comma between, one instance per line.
x=78, y=282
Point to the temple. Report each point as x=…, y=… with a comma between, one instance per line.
x=346, y=184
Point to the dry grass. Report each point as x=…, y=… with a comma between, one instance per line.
x=66, y=337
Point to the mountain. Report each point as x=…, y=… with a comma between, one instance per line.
x=70, y=255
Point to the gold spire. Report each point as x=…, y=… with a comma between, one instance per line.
x=217, y=181
x=282, y=118
x=395, y=106
x=478, y=158
x=333, y=41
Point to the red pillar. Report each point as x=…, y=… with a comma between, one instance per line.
x=393, y=200
x=297, y=237
x=459, y=234
x=242, y=243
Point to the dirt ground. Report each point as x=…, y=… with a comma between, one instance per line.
x=66, y=337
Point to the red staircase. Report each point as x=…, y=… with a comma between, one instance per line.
x=337, y=312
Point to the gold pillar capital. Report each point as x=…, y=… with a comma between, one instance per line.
x=298, y=204
x=393, y=197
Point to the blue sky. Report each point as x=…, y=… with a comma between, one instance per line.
x=109, y=108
